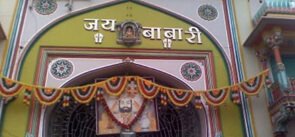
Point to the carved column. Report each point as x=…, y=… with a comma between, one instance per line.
x=274, y=41
x=263, y=57
x=286, y=114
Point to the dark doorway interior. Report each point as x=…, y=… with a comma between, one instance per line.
x=79, y=121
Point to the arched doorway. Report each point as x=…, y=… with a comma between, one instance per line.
x=79, y=120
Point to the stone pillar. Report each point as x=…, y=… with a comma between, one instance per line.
x=274, y=41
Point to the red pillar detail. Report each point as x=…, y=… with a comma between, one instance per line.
x=277, y=54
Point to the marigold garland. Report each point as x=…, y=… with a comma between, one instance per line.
x=9, y=88
x=253, y=85
x=115, y=86
x=47, y=96
x=84, y=95
x=180, y=97
x=216, y=97
x=147, y=89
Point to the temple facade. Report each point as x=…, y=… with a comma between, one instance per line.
x=147, y=68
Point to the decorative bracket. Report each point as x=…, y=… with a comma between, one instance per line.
x=274, y=39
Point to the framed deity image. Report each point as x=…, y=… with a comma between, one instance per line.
x=129, y=110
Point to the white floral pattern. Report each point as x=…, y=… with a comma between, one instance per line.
x=191, y=71
x=207, y=12
x=45, y=7
x=61, y=69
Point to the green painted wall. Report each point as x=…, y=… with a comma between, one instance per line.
x=70, y=33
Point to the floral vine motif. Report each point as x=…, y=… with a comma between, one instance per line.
x=61, y=69
x=191, y=71
x=45, y=7
x=207, y=12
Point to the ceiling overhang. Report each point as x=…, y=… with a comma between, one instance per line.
x=267, y=23
x=2, y=34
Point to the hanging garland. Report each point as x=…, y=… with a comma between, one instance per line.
x=235, y=95
x=179, y=97
x=148, y=89
x=216, y=97
x=115, y=86
x=9, y=88
x=253, y=85
x=47, y=96
x=85, y=94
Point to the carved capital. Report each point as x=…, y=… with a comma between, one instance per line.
x=274, y=40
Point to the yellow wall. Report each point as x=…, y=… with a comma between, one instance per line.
x=16, y=115
x=7, y=10
x=258, y=105
x=2, y=43
x=70, y=33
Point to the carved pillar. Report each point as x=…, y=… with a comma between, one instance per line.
x=274, y=41
x=263, y=57
x=286, y=113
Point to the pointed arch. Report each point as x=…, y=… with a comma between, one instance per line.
x=60, y=20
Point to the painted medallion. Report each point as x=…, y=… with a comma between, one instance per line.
x=207, y=12
x=45, y=7
x=191, y=71
x=61, y=69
